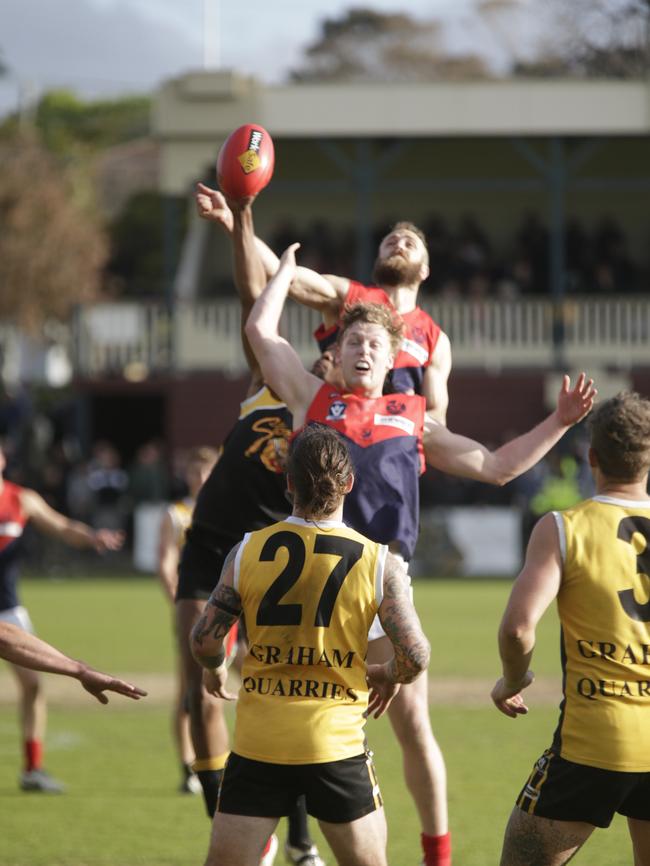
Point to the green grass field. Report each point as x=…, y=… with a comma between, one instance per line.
x=122, y=808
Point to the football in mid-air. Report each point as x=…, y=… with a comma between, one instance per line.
x=245, y=162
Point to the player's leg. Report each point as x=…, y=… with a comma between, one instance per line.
x=182, y=736
x=299, y=847
x=207, y=722
x=640, y=835
x=33, y=716
x=424, y=766
x=358, y=843
x=238, y=840
x=533, y=841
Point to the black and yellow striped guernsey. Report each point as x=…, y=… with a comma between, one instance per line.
x=604, y=607
x=309, y=594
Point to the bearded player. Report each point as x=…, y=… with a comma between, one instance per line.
x=423, y=362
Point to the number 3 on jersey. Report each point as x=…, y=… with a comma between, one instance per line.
x=626, y=528
x=271, y=611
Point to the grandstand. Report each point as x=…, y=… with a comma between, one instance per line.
x=352, y=158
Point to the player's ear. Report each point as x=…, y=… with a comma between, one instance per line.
x=349, y=485
x=424, y=271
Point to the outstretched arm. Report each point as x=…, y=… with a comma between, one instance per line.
x=281, y=366
x=21, y=648
x=533, y=591
x=459, y=455
x=71, y=532
x=207, y=640
x=322, y=292
x=436, y=375
x=402, y=626
x=250, y=277
x=168, y=556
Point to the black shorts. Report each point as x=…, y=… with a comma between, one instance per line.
x=336, y=792
x=564, y=791
x=200, y=566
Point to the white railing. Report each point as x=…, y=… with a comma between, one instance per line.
x=491, y=334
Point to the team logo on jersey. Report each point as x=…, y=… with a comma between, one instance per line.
x=336, y=411
x=273, y=443
x=394, y=407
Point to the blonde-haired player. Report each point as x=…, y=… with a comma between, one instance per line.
x=175, y=522
x=595, y=559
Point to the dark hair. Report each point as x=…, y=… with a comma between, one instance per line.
x=320, y=467
x=374, y=314
x=620, y=436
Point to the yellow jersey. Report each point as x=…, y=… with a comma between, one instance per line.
x=604, y=610
x=309, y=593
x=181, y=516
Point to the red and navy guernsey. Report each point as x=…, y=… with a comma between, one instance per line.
x=384, y=437
x=418, y=344
x=12, y=524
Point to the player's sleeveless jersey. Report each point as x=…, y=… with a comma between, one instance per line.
x=418, y=345
x=246, y=488
x=12, y=524
x=605, y=616
x=384, y=437
x=309, y=594
x=180, y=514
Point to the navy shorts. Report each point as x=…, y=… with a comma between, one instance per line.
x=199, y=567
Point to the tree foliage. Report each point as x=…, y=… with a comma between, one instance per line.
x=583, y=38
x=365, y=45
x=52, y=250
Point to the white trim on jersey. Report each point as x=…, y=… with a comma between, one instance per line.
x=237, y=565
x=625, y=503
x=561, y=534
x=328, y=524
x=379, y=574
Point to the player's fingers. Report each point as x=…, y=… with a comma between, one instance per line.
x=566, y=382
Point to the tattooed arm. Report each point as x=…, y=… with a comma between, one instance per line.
x=402, y=626
x=208, y=635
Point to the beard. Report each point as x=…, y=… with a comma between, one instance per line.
x=396, y=271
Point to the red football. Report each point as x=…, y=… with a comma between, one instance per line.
x=245, y=162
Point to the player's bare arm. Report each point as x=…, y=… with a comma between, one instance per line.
x=168, y=555
x=323, y=292
x=281, y=366
x=402, y=625
x=534, y=590
x=25, y=649
x=435, y=381
x=250, y=278
x=71, y=532
x=459, y=455
x=207, y=639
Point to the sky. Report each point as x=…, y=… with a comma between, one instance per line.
x=111, y=47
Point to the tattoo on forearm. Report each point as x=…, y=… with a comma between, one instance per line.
x=222, y=611
x=401, y=624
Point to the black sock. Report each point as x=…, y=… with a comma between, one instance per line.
x=210, y=781
x=298, y=833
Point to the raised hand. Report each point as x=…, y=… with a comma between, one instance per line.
x=212, y=205
x=573, y=405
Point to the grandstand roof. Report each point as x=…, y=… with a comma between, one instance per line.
x=194, y=113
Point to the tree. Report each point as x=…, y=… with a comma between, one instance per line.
x=365, y=45
x=52, y=250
